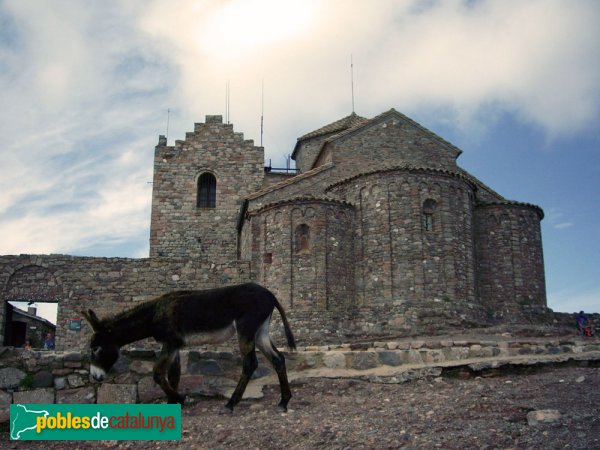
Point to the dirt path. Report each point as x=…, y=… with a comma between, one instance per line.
x=449, y=413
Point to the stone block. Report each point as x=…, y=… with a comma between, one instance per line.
x=390, y=358
x=304, y=361
x=334, y=360
x=43, y=379
x=5, y=401
x=79, y=395
x=149, y=391
x=60, y=383
x=364, y=360
x=141, y=366
x=10, y=377
x=37, y=396
x=432, y=356
x=73, y=356
x=205, y=367
x=206, y=385
x=117, y=393
x=75, y=381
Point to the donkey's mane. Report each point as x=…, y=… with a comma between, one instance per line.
x=134, y=311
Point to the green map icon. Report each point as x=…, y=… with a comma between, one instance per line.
x=23, y=420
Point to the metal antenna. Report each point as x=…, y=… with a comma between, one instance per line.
x=262, y=111
x=227, y=102
x=168, y=117
x=352, y=80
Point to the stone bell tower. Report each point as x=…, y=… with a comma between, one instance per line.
x=198, y=189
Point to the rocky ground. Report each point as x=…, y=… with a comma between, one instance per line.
x=456, y=411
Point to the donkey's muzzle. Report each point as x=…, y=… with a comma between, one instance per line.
x=97, y=373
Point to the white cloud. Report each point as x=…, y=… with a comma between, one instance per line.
x=563, y=225
x=556, y=218
x=86, y=87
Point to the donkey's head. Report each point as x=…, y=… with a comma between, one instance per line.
x=105, y=350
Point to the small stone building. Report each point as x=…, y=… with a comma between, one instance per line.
x=377, y=232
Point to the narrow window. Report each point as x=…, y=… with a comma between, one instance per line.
x=428, y=222
x=302, y=239
x=207, y=190
x=268, y=258
x=428, y=210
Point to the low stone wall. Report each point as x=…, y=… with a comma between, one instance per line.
x=28, y=376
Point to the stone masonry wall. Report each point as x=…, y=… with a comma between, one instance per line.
x=398, y=260
x=107, y=285
x=510, y=264
x=29, y=376
x=391, y=141
x=301, y=251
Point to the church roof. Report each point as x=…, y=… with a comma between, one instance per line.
x=346, y=123
x=301, y=199
x=339, y=125
x=354, y=123
x=406, y=168
x=392, y=112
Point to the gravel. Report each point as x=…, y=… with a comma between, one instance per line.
x=537, y=408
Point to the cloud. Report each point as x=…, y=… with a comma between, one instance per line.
x=537, y=59
x=86, y=88
x=556, y=218
x=563, y=225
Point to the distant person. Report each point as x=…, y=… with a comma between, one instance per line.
x=49, y=342
x=27, y=344
x=583, y=324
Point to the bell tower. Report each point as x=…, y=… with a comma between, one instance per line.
x=198, y=188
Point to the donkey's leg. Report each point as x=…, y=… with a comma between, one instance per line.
x=249, y=364
x=276, y=358
x=167, y=357
x=174, y=373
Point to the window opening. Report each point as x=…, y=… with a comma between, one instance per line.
x=428, y=210
x=207, y=191
x=302, y=239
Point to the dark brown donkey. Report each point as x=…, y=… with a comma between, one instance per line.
x=210, y=316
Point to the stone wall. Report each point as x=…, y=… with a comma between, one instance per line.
x=510, y=263
x=30, y=376
x=400, y=260
x=301, y=250
x=107, y=285
x=390, y=140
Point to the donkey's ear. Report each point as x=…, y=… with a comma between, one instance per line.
x=92, y=318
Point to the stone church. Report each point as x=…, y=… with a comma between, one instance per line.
x=378, y=232
x=380, y=229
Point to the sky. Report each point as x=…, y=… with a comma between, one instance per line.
x=86, y=88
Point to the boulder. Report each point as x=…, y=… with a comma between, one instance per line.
x=10, y=378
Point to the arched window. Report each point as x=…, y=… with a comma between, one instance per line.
x=207, y=190
x=302, y=239
x=428, y=210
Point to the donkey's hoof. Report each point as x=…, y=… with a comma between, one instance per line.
x=282, y=407
x=176, y=399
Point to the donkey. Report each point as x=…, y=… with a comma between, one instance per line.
x=212, y=316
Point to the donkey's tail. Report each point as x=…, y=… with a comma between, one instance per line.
x=291, y=342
